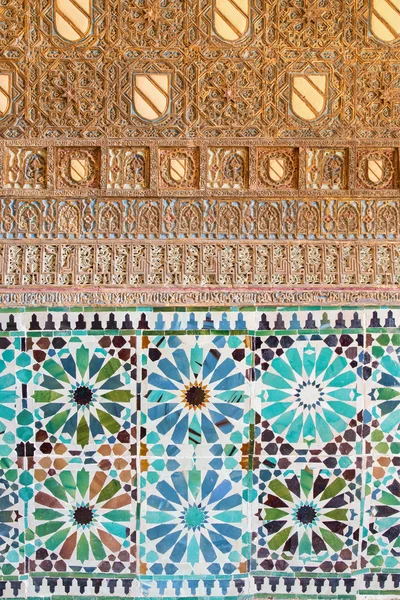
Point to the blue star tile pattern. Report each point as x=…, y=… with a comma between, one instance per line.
x=200, y=453
x=194, y=518
x=309, y=392
x=196, y=392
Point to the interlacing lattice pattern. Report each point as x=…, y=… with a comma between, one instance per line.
x=136, y=135
x=199, y=291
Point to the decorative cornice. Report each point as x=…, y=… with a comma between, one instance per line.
x=161, y=297
x=141, y=264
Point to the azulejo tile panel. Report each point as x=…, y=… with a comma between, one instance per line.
x=67, y=373
x=82, y=517
x=194, y=517
x=220, y=453
x=195, y=392
x=308, y=516
x=309, y=391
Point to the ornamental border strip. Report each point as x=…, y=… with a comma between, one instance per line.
x=184, y=218
x=231, y=266
x=161, y=297
x=353, y=151
x=377, y=584
x=195, y=320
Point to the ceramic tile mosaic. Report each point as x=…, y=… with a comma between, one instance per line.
x=200, y=453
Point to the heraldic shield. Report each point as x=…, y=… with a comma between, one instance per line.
x=151, y=95
x=5, y=93
x=79, y=169
x=72, y=19
x=276, y=168
x=384, y=19
x=309, y=95
x=177, y=169
x=375, y=170
x=231, y=19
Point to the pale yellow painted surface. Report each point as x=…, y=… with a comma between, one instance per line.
x=231, y=18
x=72, y=18
x=151, y=95
x=177, y=168
x=276, y=168
x=308, y=96
x=385, y=19
x=5, y=93
x=375, y=170
x=78, y=169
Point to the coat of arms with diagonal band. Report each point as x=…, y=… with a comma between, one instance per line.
x=5, y=94
x=231, y=19
x=308, y=95
x=79, y=169
x=384, y=19
x=72, y=18
x=375, y=170
x=151, y=95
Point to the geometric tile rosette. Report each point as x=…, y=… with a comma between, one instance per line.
x=381, y=536
x=382, y=373
x=12, y=374
x=308, y=516
x=83, y=389
x=308, y=392
x=83, y=517
x=194, y=517
x=196, y=393
x=267, y=461
x=11, y=519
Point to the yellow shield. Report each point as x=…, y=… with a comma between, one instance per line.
x=151, y=95
x=79, y=169
x=384, y=19
x=5, y=93
x=276, y=169
x=308, y=95
x=177, y=169
x=72, y=19
x=231, y=19
x=375, y=170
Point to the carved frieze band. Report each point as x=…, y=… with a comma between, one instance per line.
x=200, y=218
x=159, y=215
x=195, y=297
x=232, y=168
x=200, y=263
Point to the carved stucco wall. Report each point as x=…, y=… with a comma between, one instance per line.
x=199, y=151
x=199, y=299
